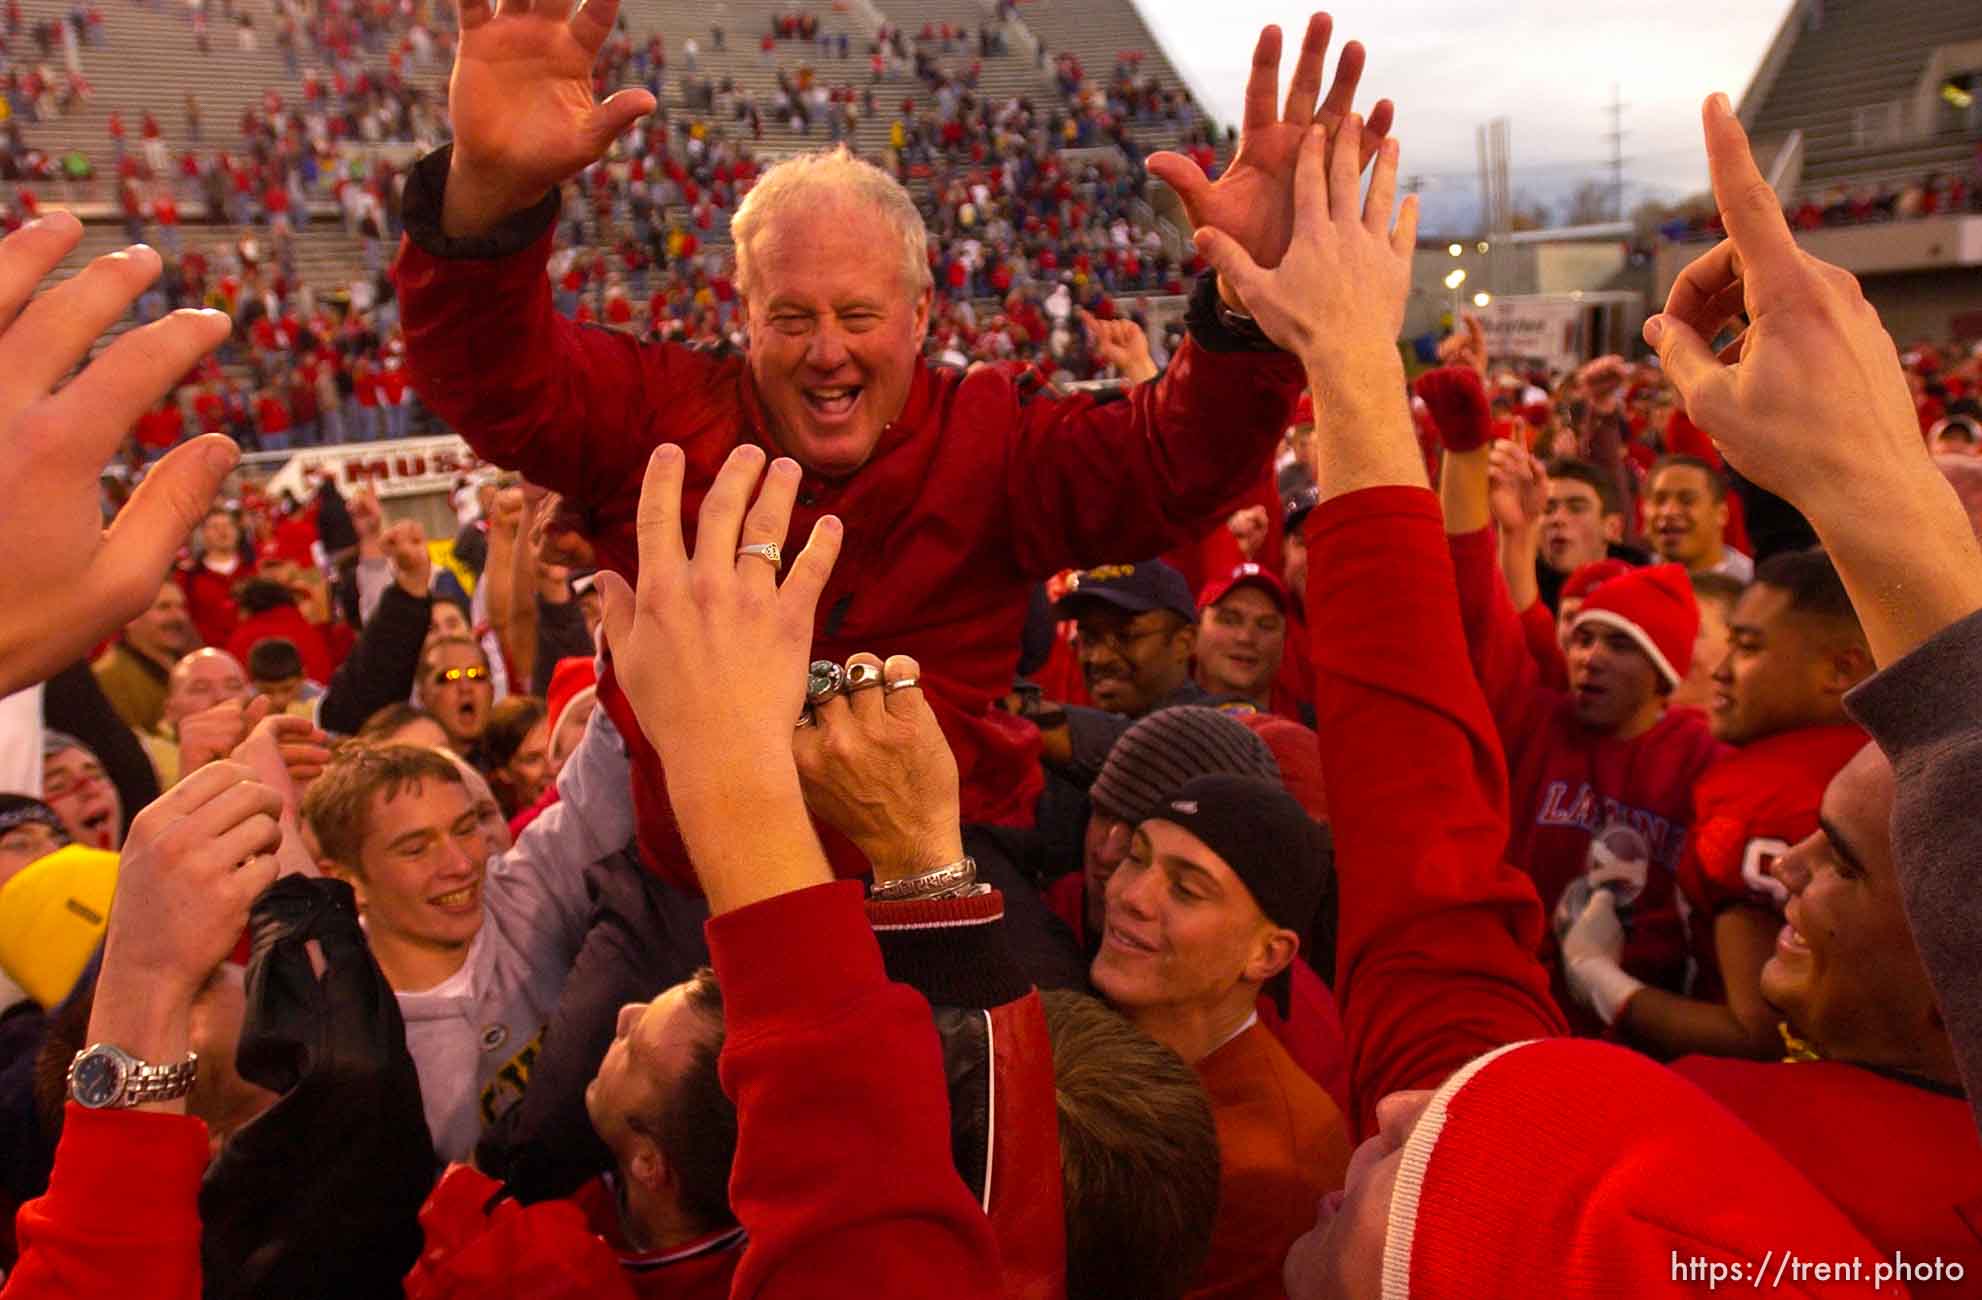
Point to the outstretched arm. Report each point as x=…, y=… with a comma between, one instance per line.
x=712, y=652
x=1435, y=956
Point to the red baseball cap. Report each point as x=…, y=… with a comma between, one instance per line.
x=1244, y=575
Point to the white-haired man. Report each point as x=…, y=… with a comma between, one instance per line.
x=960, y=491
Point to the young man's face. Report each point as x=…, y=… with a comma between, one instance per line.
x=447, y=620
x=220, y=534
x=1611, y=679
x=1845, y=972
x=455, y=688
x=1341, y=1257
x=421, y=864
x=1294, y=561
x=1772, y=677
x=74, y=785
x=528, y=770
x=1131, y=661
x=652, y=1042
x=1179, y=927
x=1575, y=530
x=1685, y=520
x=1240, y=641
x=25, y=843
x=835, y=332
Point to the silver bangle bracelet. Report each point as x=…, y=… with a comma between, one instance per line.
x=943, y=882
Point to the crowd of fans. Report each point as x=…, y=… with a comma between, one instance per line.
x=1938, y=193
x=826, y=823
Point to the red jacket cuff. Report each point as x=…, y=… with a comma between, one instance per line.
x=794, y=955
x=128, y=1167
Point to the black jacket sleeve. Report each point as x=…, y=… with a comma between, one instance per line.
x=381, y=667
x=561, y=634
x=334, y=1046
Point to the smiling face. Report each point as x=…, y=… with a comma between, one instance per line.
x=1575, y=530
x=419, y=878
x=165, y=631
x=1180, y=929
x=835, y=331
x=1240, y=642
x=73, y=783
x=1133, y=661
x=1612, y=681
x=1845, y=972
x=1686, y=521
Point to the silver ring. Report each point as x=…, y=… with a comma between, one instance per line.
x=805, y=718
x=823, y=680
x=902, y=683
x=764, y=551
x=861, y=676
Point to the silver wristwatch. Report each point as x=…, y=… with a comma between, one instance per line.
x=103, y=1077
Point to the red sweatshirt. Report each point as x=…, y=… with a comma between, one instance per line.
x=1568, y=782
x=1749, y=809
x=844, y=1177
x=287, y=622
x=210, y=600
x=982, y=487
x=1437, y=935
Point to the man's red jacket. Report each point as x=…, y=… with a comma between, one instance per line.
x=984, y=485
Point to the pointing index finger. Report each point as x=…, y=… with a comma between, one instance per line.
x=1748, y=207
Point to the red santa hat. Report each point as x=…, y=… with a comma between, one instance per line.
x=1655, y=608
x=1568, y=1167
x=1588, y=577
x=570, y=678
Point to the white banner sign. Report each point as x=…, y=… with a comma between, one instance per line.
x=1542, y=329
x=403, y=467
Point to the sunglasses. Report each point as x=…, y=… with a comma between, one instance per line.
x=452, y=676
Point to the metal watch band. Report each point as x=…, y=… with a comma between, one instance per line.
x=943, y=882
x=161, y=1082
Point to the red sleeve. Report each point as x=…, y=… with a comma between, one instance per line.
x=121, y=1214
x=844, y=1176
x=1093, y=483
x=1538, y=626
x=573, y=409
x=1495, y=639
x=1435, y=953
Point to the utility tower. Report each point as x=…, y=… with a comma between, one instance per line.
x=1616, y=137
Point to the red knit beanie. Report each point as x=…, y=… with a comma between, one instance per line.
x=1655, y=607
x=1457, y=403
x=1567, y=1167
x=1589, y=577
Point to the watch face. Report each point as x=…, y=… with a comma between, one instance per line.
x=99, y=1079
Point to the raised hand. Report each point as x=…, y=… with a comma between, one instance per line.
x=68, y=582
x=1466, y=346
x=1336, y=299
x=214, y=731
x=712, y=654
x=1249, y=528
x=1121, y=344
x=1603, y=381
x=1253, y=202
x=875, y=767
x=405, y=544
x=1517, y=486
x=1810, y=402
x=525, y=118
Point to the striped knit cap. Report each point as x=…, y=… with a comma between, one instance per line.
x=1169, y=747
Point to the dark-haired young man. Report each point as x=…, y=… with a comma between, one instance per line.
x=1794, y=648
x=1582, y=522
x=1686, y=517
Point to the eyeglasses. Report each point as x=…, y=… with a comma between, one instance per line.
x=454, y=676
x=1117, y=641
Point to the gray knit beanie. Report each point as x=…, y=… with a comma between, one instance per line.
x=1154, y=758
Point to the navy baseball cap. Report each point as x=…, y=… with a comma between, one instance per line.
x=1137, y=588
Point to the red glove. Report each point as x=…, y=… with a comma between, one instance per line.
x=1457, y=402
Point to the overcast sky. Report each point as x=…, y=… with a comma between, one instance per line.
x=1546, y=65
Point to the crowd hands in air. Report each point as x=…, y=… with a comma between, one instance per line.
x=1362, y=997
